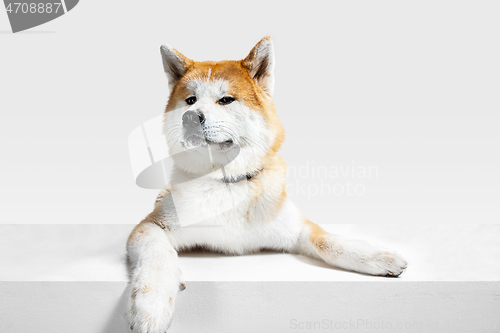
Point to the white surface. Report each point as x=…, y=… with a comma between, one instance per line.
x=97, y=253
x=259, y=307
x=72, y=278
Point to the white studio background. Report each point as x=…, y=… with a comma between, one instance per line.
x=408, y=89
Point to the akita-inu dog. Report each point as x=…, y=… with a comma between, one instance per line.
x=222, y=114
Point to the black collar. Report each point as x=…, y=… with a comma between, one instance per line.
x=233, y=180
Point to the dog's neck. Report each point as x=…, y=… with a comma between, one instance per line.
x=231, y=180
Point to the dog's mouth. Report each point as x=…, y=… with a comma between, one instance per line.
x=196, y=140
x=222, y=145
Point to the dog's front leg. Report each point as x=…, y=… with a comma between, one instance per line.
x=350, y=254
x=155, y=278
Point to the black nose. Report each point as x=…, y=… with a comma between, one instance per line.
x=192, y=119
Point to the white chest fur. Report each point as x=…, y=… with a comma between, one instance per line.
x=235, y=218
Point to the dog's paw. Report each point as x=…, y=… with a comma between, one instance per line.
x=150, y=309
x=386, y=263
x=383, y=262
x=375, y=260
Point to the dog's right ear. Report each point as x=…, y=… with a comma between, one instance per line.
x=174, y=63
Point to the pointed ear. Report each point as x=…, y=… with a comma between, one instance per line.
x=174, y=63
x=260, y=64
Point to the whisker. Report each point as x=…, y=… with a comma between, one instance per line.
x=173, y=134
x=171, y=128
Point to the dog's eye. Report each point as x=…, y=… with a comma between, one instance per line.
x=191, y=100
x=226, y=100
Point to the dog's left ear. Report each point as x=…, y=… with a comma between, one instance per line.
x=260, y=64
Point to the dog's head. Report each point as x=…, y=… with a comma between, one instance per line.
x=222, y=108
